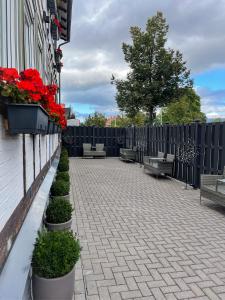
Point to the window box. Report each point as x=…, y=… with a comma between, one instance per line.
x=51, y=127
x=27, y=118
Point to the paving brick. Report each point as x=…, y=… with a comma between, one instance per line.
x=143, y=237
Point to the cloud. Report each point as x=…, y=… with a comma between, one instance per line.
x=212, y=102
x=99, y=27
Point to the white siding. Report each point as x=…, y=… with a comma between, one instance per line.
x=11, y=173
x=43, y=151
x=29, y=161
x=37, y=156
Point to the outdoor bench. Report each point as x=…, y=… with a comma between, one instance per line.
x=159, y=165
x=128, y=154
x=213, y=188
x=93, y=151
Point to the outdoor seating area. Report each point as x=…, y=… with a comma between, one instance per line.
x=162, y=164
x=94, y=151
x=213, y=188
x=128, y=154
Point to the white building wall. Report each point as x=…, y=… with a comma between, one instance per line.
x=29, y=160
x=11, y=173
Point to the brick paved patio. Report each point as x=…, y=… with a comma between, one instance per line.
x=144, y=238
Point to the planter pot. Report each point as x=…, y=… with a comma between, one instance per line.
x=50, y=127
x=54, y=288
x=27, y=118
x=55, y=130
x=59, y=226
x=66, y=197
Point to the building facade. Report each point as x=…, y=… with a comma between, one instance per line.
x=31, y=31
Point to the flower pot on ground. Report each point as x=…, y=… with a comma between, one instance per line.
x=63, y=176
x=27, y=118
x=58, y=215
x=54, y=257
x=60, y=189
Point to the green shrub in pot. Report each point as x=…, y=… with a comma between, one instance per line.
x=60, y=188
x=63, y=176
x=54, y=257
x=64, y=152
x=63, y=165
x=59, y=211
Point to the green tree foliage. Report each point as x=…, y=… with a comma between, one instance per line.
x=124, y=121
x=97, y=119
x=157, y=74
x=186, y=110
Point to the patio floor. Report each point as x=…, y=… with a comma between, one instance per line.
x=142, y=237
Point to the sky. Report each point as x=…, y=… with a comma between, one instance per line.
x=99, y=27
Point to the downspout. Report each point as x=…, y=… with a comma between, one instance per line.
x=60, y=45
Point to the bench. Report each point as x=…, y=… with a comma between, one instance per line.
x=212, y=187
x=162, y=164
x=97, y=151
x=128, y=154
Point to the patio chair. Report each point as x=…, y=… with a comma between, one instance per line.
x=212, y=187
x=87, y=152
x=128, y=154
x=159, y=165
x=100, y=151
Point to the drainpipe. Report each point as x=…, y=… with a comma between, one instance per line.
x=60, y=45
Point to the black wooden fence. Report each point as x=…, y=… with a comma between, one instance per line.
x=209, y=139
x=112, y=138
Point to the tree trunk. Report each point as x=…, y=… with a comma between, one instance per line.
x=151, y=115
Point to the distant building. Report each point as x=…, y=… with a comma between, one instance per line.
x=110, y=120
x=73, y=122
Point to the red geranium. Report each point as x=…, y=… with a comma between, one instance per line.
x=9, y=75
x=28, y=87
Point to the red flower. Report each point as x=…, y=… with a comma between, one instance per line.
x=9, y=75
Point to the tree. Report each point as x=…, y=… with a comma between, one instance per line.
x=157, y=74
x=124, y=121
x=97, y=119
x=186, y=110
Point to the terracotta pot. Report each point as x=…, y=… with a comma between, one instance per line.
x=58, y=226
x=54, y=288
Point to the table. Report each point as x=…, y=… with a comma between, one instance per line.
x=220, y=186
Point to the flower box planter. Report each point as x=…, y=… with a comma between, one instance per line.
x=27, y=118
x=50, y=127
x=54, y=288
x=58, y=226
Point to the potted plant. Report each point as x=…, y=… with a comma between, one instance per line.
x=63, y=165
x=27, y=102
x=54, y=258
x=63, y=176
x=58, y=215
x=60, y=189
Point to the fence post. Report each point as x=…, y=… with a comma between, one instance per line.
x=197, y=167
x=166, y=137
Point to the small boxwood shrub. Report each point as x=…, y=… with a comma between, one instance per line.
x=59, y=211
x=64, y=152
x=63, y=165
x=60, y=188
x=63, y=176
x=55, y=254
